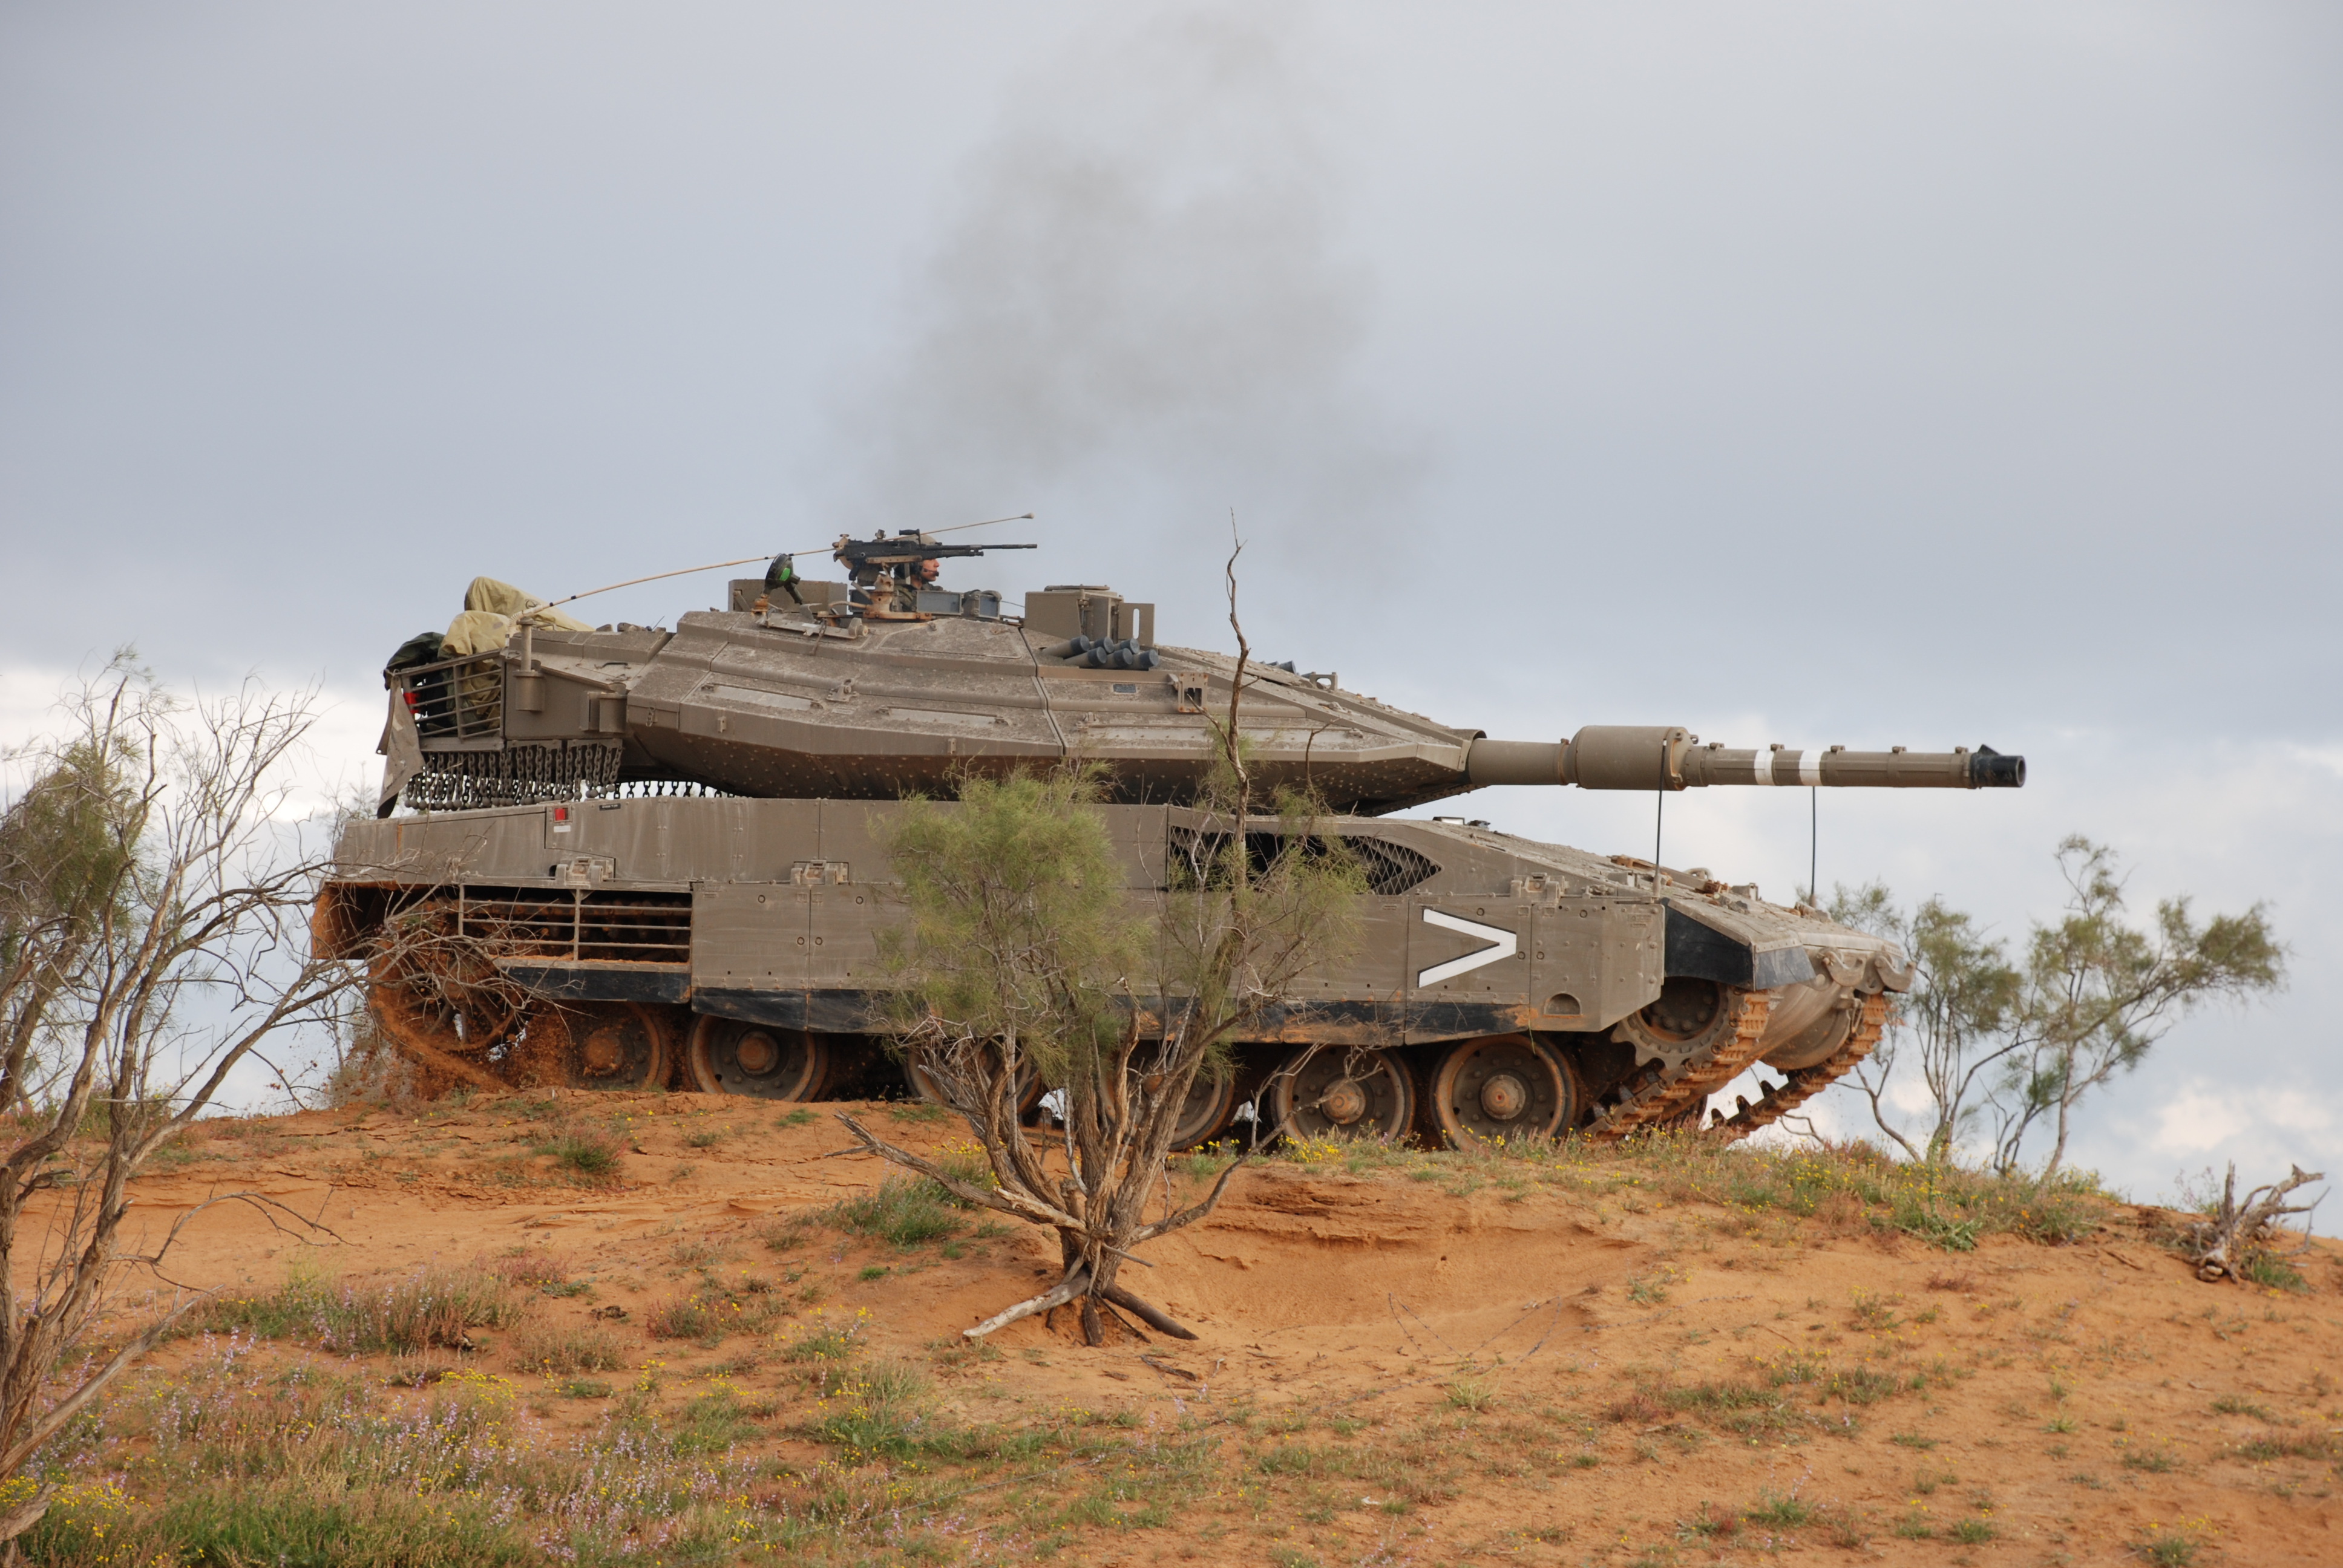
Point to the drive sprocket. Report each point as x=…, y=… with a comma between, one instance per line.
x=1659, y=1094
x=1804, y=1083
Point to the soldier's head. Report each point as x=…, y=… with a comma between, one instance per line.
x=925, y=571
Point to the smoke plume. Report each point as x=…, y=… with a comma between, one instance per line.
x=1139, y=316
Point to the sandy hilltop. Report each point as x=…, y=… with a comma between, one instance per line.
x=1674, y=1353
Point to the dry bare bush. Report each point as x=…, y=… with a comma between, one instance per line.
x=1843, y=1214
x=154, y=925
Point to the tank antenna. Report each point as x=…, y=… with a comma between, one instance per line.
x=746, y=561
x=1659, y=815
x=683, y=572
x=956, y=528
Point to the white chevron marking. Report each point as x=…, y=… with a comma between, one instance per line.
x=1504, y=944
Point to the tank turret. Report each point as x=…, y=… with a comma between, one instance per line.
x=869, y=689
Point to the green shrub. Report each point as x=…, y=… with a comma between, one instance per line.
x=1782, y=1512
x=2315, y=1445
x=2271, y=1271
x=589, y=1152
x=905, y=1211
x=879, y=1412
x=1287, y=1459
x=824, y=1342
x=245, y=1459
x=967, y=1162
x=1861, y=1386
x=1473, y=1394
x=1721, y=1396
x=1931, y=1225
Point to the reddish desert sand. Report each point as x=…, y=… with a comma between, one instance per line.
x=1447, y=1368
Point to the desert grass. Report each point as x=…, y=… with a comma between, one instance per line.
x=433, y=1308
x=1850, y=1187
x=559, y=1348
x=257, y=1450
x=243, y=1457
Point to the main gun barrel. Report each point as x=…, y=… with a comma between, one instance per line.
x=1663, y=756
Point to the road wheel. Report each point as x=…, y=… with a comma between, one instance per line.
x=1212, y=1101
x=594, y=1045
x=730, y=1056
x=1498, y=1088
x=1029, y=1085
x=1342, y=1090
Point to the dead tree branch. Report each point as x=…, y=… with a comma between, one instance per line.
x=2222, y=1244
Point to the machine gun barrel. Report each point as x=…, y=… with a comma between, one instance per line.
x=904, y=551
x=1663, y=757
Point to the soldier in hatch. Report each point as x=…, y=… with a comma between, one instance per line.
x=921, y=574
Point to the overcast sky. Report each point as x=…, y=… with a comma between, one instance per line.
x=1812, y=373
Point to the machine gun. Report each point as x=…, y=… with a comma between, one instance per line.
x=876, y=566
x=894, y=560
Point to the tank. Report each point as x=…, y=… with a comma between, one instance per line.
x=638, y=856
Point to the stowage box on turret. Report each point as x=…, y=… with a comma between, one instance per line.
x=637, y=855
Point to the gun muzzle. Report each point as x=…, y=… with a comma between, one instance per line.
x=1661, y=756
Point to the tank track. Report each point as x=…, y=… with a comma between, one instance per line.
x=1805, y=1082
x=1655, y=1099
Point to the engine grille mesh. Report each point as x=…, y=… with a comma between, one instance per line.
x=1391, y=869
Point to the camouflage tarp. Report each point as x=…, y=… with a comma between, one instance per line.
x=476, y=631
x=503, y=598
